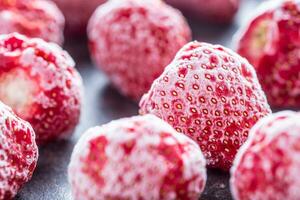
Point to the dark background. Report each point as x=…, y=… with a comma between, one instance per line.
x=102, y=104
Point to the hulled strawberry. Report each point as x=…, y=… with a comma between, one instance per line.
x=141, y=157
x=77, y=14
x=267, y=165
x=39, y=81
x=132, y=41
x=220, y=11
x=33, y=18
x=271, y=42
x=18, y=152
x=212, y=95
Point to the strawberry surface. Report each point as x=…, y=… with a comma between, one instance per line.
x=18, y=152
x=132, y=41
x=33, y=18
x=220, y=11
x=212, y=95
x=271, y=42
x=39, y=81
x=267, y=165
x=141, y=158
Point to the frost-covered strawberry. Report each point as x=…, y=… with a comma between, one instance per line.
x=271, y=42
x=77, y=14
x=268, y=164
x=212, y=95
x=18, y=152
x=132, y=41
x=39, y=81
x=33, y=18
x=221, y=11
x=136, y=158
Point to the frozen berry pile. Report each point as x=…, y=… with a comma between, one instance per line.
x=268, y=165
x=18, y=152
x=171, y=119
x=212, y=95
x=136, y=158
x=39, y=81
x=271, y=42
x=132, y=41
x=33, y=18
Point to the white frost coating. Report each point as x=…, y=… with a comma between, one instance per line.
x=134, y=49
x=38, y=18
x=144, y=160
x=12, y=176
x=50, y=71
x=272, y=134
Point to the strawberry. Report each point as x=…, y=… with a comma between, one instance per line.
x=271, y=42
x=132, y=41
x=141, y=157
x=212, y=95
x=18, y=152
x=39, y=81
x=33, y=18
x=267, y=166
x=77, y=13
x=218, y=11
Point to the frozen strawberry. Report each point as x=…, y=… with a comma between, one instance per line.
x=18, y=152
x=267, y=165
x=33, y=18
x=220, y=11
x=77, y=14
x=212, y=95
x=39, y=81
x=271, y=42
x=136, y=158
x=132, y=41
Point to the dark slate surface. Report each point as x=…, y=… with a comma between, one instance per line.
x=102, y=104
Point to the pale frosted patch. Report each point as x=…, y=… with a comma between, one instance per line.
x=144, y=160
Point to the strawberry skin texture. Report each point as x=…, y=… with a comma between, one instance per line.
x=39, y=81
x=33, y=18
x=132, y=41
x=18, y=152
x=138, y=158
x=217, y=11
x=212, y=95
x=271, y=42
x=77, y=14
x=267, y=165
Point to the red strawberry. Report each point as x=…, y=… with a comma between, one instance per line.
x=212, y=95
x=33, y=18
x=221, y=11
x=267, y=166
x=271, y=42
x=18, y=152
x=132, y=41
x=77, y=13
x=39, y=81
x=136, y=158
